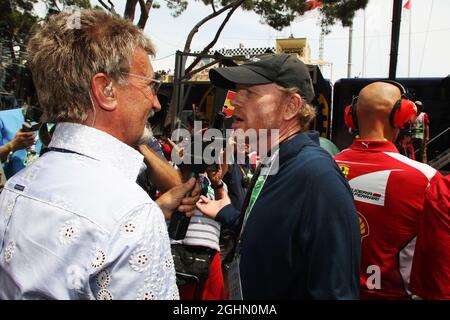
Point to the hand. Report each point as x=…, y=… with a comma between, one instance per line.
x=211, y=208
x=142, y=148
x=22, y=140
x=175, y=199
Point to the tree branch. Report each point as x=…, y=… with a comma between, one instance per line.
x=206, y=19
x=145, y=9
x=130, y=9
x=109, y=8
x=55, y=5
x=233, y=7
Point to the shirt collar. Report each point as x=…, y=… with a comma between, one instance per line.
x=98, y=145
x=373, y=146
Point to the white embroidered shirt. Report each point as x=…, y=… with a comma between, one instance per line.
x=75, y=225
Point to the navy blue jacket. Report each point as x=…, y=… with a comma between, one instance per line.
x=234, y=182
x=302, y=238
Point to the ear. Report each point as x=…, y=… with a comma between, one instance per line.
x=104, y=92
x=293, y=107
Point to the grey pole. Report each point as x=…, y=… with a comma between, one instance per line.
x=350, y=40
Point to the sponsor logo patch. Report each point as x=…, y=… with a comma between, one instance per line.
x=363, y=226
x=370, y=187
x=368, y=195
x=345, y=170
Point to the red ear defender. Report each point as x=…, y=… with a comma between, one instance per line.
x=348, y=118
x=404, y=110
x=404, y=114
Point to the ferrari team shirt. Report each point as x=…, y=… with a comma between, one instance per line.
x=389, y=191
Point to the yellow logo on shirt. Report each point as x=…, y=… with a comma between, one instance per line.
x=345, y=170
x=363, y=226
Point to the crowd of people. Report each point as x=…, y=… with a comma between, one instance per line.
x=89, y=218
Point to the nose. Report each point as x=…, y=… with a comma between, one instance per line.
x=155, y=103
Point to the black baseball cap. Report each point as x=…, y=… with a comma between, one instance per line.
x=282, y=69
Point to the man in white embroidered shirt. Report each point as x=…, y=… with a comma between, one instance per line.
x=75, y=225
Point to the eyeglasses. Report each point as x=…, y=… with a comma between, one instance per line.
x=154, y=85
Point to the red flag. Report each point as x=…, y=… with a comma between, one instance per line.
x=228, y=108
x=407, y=5
x=313, y=4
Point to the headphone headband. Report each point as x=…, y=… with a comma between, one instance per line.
x=354, y=114
x=402, y=112
x=403, y=91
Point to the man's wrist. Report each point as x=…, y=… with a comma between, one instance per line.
x=162, y=205
x=10, y=147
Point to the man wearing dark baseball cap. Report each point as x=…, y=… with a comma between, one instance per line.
x=298, y=231
x=284, y=70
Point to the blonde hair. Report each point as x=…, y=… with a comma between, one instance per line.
x=64, y=58
x=307, y=112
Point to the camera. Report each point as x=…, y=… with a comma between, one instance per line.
x=32, y=117
x=195, y=165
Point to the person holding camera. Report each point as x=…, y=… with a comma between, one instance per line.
x=79, y=226
x=14, y=140
x=197, y=255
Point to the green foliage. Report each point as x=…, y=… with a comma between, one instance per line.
x=78, y=3
x=18, y=17
x=177, y=6
x=343, y=11
x=16, y=21
x=281, y=13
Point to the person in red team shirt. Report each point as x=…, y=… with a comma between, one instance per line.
x=430, y=275
x=389, y=189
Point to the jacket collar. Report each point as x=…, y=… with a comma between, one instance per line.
x=291, y=147
x=97, y=145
